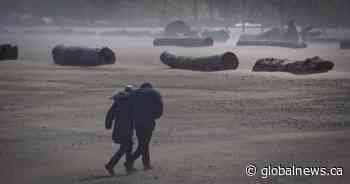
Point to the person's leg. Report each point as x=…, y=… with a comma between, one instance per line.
x=131, y=159
x=115, y=158
x=138, y=151
x=128, y=152
x=146, y=154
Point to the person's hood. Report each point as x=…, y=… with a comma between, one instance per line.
x=119, y=95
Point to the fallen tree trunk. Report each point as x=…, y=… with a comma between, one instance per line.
x=81, y=56
x=307, y=66
x=345, y=44
x=226, y=61
x=184, y=42
x=8, y=52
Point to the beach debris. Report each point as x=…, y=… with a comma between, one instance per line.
x=8, y=52
x=307, y=66
x=226, y=61
x=345, y=44
x=82, y=56
x=184, y=42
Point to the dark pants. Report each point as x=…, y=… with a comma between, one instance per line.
x=143, y=137
x=123, y=149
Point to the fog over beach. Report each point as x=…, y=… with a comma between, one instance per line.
x=214, y=124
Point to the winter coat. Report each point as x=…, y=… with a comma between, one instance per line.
x=120, y=114
x=147, y=107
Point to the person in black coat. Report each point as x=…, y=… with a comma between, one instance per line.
x=147, y=107
x=120, y=114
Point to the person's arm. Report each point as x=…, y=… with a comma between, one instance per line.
x=159, y=105
x=111, y=115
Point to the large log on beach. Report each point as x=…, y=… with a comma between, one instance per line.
x=82, y=56
x=307, y=66
x=184, y=42
x=345, y=44
x=8, y=52
x=226, y=61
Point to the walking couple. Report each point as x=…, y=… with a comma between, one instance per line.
x=133, y=109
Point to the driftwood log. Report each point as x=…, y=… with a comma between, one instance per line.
x=184, y=42
x=226, y=61
x=345, y=44
x=307, y=66
x=81, y=56
x=8, y=52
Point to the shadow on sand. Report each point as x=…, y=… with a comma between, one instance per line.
x=102, y=177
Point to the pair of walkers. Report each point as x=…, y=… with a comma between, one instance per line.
x=133, y=109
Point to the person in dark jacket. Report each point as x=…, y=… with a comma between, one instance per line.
x=147, y=107
x=120, y=114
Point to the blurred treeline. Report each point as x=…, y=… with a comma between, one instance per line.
x=330, y=13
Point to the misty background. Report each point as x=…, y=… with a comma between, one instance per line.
x=148, y=13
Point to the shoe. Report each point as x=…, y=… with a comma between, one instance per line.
x=129, y=168
x=110, y=169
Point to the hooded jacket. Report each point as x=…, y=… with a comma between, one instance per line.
x=120, y=114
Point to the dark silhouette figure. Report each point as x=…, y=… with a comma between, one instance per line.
x=121, y=115
x=147, y=107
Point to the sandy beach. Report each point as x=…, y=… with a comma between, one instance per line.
x=214, y=124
